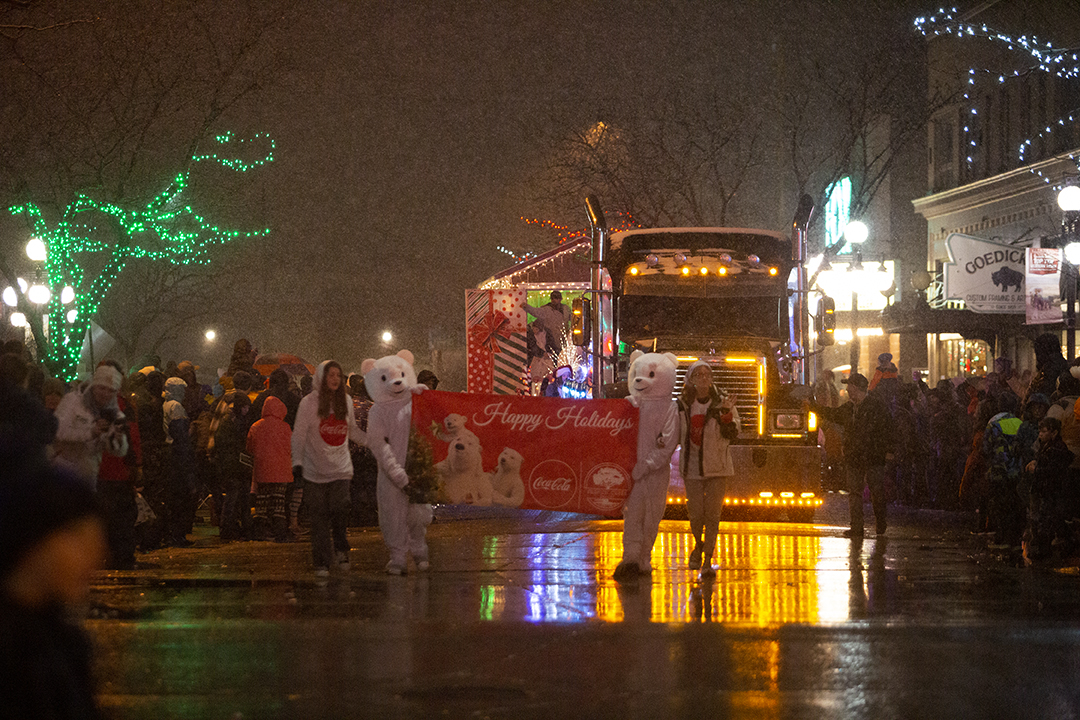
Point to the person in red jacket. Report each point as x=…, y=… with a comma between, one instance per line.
x=269, y=442
x=118, y=480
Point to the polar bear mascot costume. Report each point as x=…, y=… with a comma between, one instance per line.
x=651, y=381
x=391, y=383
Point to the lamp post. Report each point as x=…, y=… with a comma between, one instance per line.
x=855, y=233
x=1069, y=202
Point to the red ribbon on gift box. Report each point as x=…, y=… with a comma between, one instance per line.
x=488, y=331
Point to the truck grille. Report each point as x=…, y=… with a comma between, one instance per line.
x=740, y=379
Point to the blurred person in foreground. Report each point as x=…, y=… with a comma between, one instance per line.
x=52, y=540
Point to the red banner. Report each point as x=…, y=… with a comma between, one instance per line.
x=539, y=453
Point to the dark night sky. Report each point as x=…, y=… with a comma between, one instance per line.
x=407, y=134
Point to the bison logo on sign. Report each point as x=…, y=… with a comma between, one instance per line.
x=1005, y=277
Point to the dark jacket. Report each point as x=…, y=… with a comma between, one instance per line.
x=45, y=666
x=869, y=432
x=287, y=396
x=1051, y=462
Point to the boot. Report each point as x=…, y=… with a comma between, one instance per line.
x=695, y=555
x=260, y=528
x=280, y=530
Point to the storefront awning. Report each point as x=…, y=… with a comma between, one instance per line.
x=918, y=317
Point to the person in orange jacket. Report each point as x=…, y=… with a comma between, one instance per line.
x=885, y=370
x=269, y=442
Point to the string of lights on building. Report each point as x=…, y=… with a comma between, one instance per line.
x=1044, y=58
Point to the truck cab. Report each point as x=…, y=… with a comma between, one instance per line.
x=721, y=295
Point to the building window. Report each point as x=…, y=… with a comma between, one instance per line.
x=963, y=357
x=943, y=155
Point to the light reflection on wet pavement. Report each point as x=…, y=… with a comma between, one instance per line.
x=519, y=617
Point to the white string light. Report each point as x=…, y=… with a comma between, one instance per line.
x=1043, y=58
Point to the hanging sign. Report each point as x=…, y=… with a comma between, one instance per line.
x=539, y=453
x=987, y=276
x=1043, y=286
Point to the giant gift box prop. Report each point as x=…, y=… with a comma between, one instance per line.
x=567, y=455
x=495, y=324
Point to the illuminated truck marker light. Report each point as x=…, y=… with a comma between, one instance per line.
x=786, y=499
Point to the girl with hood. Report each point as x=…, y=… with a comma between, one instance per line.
x=269, y=443
x=320, y=454
x=708, y=422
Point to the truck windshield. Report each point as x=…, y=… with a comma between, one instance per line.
x=657, y=316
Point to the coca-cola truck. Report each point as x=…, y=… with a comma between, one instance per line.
x=733, y=297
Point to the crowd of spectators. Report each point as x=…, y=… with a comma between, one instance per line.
x=159, y=444
x=156, y=446
x=1005, y=445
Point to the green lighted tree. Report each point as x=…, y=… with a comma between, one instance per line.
x=92, y=241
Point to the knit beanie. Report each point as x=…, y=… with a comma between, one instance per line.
x=37, y=499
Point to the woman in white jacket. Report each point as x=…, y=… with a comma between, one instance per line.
x=320, y=454
x=708, y=422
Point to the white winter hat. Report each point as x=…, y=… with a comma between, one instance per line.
x=107, y=376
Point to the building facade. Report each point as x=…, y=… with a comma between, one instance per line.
x=998, y=152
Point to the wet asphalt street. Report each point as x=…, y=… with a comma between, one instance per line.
x=519, y=618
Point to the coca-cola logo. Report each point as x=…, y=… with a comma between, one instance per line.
x=333, y=431
x=606, y=488
x=552, y=484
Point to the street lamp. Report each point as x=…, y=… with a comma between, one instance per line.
x=35, y=250
x=855, y=233
x=1069, y=202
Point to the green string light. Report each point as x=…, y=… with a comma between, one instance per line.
x=165, y=229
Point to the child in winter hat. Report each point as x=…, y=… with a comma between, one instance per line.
x=885, y=370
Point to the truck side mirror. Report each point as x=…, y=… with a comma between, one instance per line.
x=826, y=321
x=580, y=329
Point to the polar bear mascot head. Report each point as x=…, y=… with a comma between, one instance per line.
x=389, y=378
x=651, y=376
